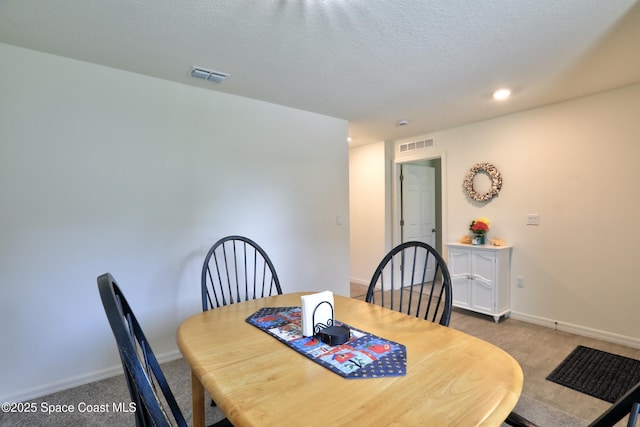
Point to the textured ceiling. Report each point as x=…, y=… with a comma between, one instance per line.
x=371, y=62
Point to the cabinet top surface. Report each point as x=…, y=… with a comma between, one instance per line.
x=486, y=247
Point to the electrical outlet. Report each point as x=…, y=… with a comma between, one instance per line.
x=520, y=281
x=533, y=219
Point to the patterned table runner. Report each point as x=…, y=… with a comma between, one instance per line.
x=363, y=356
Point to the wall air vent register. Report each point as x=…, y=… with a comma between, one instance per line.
x=416, y=145
x=210, y=75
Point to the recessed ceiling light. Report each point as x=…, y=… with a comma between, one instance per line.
x=402, y=122
x=501, y=94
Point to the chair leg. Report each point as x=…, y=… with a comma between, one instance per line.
x=222, y=423
x=633, y=415
x=516, y=420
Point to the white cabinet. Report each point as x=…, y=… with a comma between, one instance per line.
x=480, y=278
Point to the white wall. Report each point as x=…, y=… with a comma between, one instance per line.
x=576, y=165
x=367, y=188
x=103, y=170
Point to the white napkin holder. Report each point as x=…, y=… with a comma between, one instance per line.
x=317, y=309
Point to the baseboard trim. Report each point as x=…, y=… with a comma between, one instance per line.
x=360, y=281
x=578, y=330
x=79, y=380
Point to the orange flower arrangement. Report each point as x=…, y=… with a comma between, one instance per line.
x=479, y=226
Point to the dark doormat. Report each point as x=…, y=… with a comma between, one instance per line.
x=597, y=373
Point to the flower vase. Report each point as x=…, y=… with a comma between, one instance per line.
x=477, y=239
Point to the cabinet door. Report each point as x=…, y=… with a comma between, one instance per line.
x=482, y=297
x=483, y=266
x=459, y=265
x=483, y=283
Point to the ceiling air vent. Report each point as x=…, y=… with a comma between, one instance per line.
x=210, y=75
x=416, y=145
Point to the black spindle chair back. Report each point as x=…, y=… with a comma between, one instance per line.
x=237, y=269
x=148, y=387
x=414, y=279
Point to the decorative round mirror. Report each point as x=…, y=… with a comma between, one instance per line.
x=494, y=176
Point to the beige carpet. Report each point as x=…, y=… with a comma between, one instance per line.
x=105, y=392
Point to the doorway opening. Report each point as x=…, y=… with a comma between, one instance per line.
x=418, y=201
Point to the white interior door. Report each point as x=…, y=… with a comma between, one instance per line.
x=418, y=211
x=419, y=203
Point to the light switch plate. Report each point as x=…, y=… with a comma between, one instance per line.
x=533, y=219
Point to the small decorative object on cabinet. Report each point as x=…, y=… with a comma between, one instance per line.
x=478, y=239
x=480, y=278
x=479, y=228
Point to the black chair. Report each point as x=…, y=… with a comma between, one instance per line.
x=629, y=404
x=414, y=279
x=237, y=269
x=148, y=387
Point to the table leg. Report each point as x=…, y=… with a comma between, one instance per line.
x=197, y=401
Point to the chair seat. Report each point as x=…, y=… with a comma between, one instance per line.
x=629, y=404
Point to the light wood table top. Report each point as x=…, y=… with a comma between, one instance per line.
x=453, y=379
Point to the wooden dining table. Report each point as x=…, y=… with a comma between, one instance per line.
x=452, y=378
